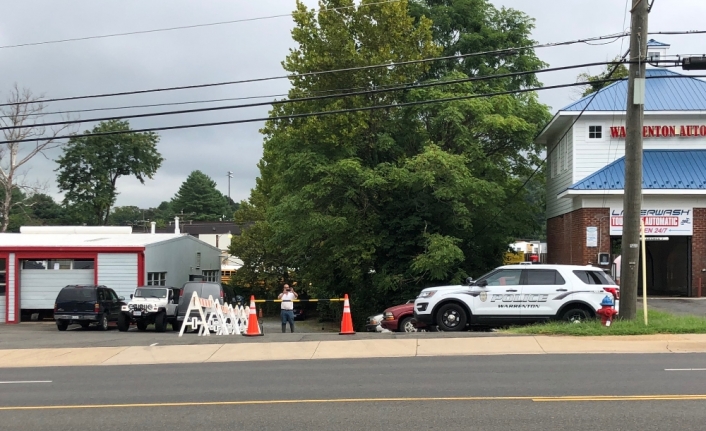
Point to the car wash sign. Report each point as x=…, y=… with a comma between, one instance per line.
x=662, y=221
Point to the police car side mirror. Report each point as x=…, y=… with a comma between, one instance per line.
x=469, y=281
x=482, y=283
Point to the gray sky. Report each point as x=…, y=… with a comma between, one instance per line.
x=240, y=51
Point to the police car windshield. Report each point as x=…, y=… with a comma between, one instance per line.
x=151, y=293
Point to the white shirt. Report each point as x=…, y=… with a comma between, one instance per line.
x=287, y=303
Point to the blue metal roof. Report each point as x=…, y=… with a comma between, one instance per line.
x=665, y=91
x=653, y=42
x=661, y=169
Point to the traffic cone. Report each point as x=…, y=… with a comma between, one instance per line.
x=347, y=321
x=253, y=325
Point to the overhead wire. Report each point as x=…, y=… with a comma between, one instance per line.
x=408, y=86
x=185, y=27
x=336, y=112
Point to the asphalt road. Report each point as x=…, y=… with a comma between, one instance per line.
x=475, y=393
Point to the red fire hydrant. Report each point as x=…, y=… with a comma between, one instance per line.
x=607, y=311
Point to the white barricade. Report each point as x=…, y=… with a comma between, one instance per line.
x=214, y=317
x=195, y=304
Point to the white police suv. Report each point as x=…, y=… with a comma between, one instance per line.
x=517, y=294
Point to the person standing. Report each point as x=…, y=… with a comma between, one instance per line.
x=287, y=296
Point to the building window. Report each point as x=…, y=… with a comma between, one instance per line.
x=595, y=132
x=652, y=56
x=210, y=275
x=58, y=264
x=198, y=260
x=156, y=278
x=3, y=275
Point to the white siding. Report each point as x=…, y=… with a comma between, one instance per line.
x=559, y=175
x=10, y=298
x=39, y=288
x=2, y=309
x=118, y=271
x=177, y=258
x=593, y=155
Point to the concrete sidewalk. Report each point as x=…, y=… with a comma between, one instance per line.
x=387, y=348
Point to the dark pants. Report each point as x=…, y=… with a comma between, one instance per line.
x=287, y=316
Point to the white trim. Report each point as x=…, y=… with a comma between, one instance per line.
x=668, y=192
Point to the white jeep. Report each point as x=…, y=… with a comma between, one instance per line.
x=516, y=294
x=151, y=305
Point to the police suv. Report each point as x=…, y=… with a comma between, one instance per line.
x=517, y=294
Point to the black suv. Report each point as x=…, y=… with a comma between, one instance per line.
x=85, y=305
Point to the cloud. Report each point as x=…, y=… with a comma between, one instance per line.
x=233, y=52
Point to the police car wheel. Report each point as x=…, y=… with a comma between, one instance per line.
x=576, y=315
x=451, y=317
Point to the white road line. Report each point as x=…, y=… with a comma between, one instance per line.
x=154, y=344
x=685, y=369
x=24, y=381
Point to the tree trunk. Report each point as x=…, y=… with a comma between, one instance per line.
x=6, y=205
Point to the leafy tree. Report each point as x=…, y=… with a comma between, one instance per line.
x=199, y=198
x=91, y=165
x=126, y=216
x=45, y=211
x=380, y=204
x=593, y=80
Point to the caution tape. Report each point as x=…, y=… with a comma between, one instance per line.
x=302, y=300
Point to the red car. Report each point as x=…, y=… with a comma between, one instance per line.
x=400, y=318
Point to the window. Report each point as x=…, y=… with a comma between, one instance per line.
x=198, y=260
x=113, y=295
x=210, y=275
x=58, y=264
x=150, y=293
x=594, y=277
x=504, y=277
x=651, y=56
x=544, y=277
x=3, y=274
x=101, y=295
x=595, y=132
x=156, y=278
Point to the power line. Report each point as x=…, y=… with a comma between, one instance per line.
x=313, y=98
x=184, y=27
x=514, y=50
x=339, y=111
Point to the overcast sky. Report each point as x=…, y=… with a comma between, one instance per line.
x=240, y=51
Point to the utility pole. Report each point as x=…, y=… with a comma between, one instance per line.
x=632, y=199
x=230, y=175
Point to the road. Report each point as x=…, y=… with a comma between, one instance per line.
x=475, y=393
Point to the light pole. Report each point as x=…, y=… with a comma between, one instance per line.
x=230, y=175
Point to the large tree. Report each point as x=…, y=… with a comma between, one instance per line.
x=380, y=203
x=198, y=198
x=92, y=163
x=21, y=119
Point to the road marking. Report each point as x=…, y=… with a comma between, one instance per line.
x=368, y=400
x=16, y=382
x=153, y=344
x=685, y=369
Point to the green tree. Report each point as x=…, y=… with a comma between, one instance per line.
x=379, y=204
x=45, y=211
x=594, y=80
x=199, y=198
x=91, y=165
x=126, y=216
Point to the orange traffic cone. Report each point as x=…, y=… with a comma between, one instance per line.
x=253, y=325
x=347, y=321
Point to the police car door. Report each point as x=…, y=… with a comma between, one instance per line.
x=539, y=286
x=496, y=299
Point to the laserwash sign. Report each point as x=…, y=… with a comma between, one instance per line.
x=665, y=222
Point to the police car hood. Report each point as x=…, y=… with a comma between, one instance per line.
x=448, y=289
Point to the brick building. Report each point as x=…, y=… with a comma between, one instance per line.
x=586, y=170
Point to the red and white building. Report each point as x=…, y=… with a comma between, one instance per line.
x=37, y=262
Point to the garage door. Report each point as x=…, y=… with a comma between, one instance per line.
x=41, y=280
x=118, y=271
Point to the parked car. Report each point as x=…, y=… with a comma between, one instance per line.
x=373, y=323
x=299, y=311
x=516, y=294
x=400, y=318
x=87, y=304
x=151, y=305
x=203, y=289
